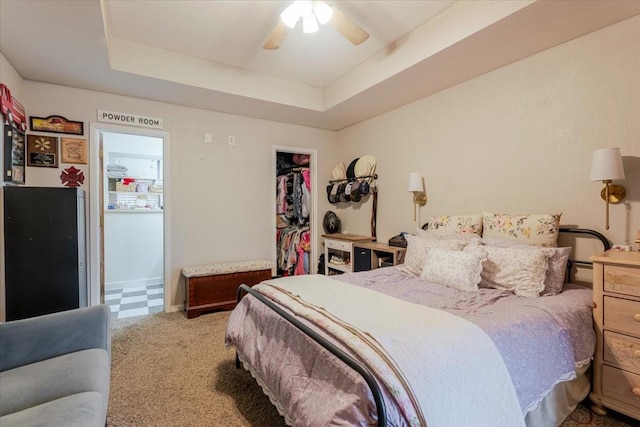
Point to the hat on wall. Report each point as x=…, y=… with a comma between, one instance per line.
x=338, y=172
x=365, y=166
x=351, y=170
x=343, y=197
x=355, y=196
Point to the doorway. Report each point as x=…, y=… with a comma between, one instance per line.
x=129, y=201
x=295, y=217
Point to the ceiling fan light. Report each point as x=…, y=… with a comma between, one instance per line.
x=303, y=7
x=322, y=11
x=309, y=24
x=290, y=16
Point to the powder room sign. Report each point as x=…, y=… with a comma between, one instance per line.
x=130, y=119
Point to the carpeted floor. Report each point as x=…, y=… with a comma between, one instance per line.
x=171, y=371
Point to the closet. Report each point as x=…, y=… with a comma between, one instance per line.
x=293, y=213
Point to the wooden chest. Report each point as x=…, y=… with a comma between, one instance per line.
x=214, y=287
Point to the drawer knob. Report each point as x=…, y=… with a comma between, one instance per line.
x=636, y=391
x=637, y=316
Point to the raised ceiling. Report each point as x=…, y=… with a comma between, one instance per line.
x=208, y=54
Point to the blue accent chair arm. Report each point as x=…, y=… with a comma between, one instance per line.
x=26, y=341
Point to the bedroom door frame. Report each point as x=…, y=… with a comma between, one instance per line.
x=96, y=209
x=313, y=222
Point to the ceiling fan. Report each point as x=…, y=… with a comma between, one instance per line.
x=311, y=13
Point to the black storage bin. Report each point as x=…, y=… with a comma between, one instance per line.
x=361, y=259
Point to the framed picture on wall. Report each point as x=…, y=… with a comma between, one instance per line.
x=14, y=154
x=57, y=124
x=42, y=150
x=73, y=150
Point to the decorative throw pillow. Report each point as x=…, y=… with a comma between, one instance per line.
x=455, y=269
x=521, y=271
x=556, y=270
x=540, y=230
x=433, y=234
x=455, y=224
x=416, y=251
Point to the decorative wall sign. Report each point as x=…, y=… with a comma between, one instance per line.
x=130, y=119
x=72, y=177
x=56, y=124
x=73, y=150
x=42, y=151
x=14, y=158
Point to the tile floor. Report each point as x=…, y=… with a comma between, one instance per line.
x=135, y=301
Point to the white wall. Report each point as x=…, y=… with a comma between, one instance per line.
x=516, y=140
x=221, y=195
x=132, y=249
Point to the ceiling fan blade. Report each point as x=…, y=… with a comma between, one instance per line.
x=277, y=35
x=347, y=27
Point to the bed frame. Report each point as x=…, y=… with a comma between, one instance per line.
x=357, y=366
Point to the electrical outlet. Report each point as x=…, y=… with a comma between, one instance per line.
x=207, y=138
x=232, y=140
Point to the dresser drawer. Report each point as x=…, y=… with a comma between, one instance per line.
x=621, y=385
x=622, y=279
x=622, y=315
x=622, y=351
x=338, y=244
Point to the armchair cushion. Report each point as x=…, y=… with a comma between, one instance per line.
x=55, y=369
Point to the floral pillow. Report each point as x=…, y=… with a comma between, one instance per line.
x=518, y=270
x=556, y=270
x=455, y=224
x=416, y=251
x=540, y=230
x=455, y=269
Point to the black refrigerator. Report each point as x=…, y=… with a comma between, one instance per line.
x=44, y=249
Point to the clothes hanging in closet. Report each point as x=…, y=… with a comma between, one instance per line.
x=293, y=207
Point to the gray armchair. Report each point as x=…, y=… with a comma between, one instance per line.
x=55, y=369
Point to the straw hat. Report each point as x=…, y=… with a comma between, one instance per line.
x=365, y=166
x=338, y=172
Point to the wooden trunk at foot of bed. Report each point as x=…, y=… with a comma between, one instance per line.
x=218, y=291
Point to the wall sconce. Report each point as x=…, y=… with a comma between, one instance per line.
x=417, y=188
x=607, y=166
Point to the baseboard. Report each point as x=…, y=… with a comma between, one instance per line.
x=133, y=283
x=175, y=308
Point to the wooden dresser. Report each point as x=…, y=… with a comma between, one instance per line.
x=616, y=313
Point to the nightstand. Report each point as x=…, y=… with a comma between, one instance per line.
x=338, y=252
x=616, y=314
x=371, y=255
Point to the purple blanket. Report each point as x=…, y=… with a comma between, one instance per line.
x=542, y=340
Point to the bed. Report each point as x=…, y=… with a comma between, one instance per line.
x=395, y=349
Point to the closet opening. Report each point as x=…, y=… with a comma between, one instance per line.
x=294, y=211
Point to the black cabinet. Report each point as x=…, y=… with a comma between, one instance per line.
x=45, y=250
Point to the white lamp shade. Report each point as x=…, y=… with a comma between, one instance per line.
x=415, y=182
x=607, y=165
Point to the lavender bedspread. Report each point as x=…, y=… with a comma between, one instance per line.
x=541, y=340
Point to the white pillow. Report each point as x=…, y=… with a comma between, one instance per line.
x=521, y=271
x=455, y=224
x=540, y=230
x=455, y=269
x=416, y=251
x=556, y=269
